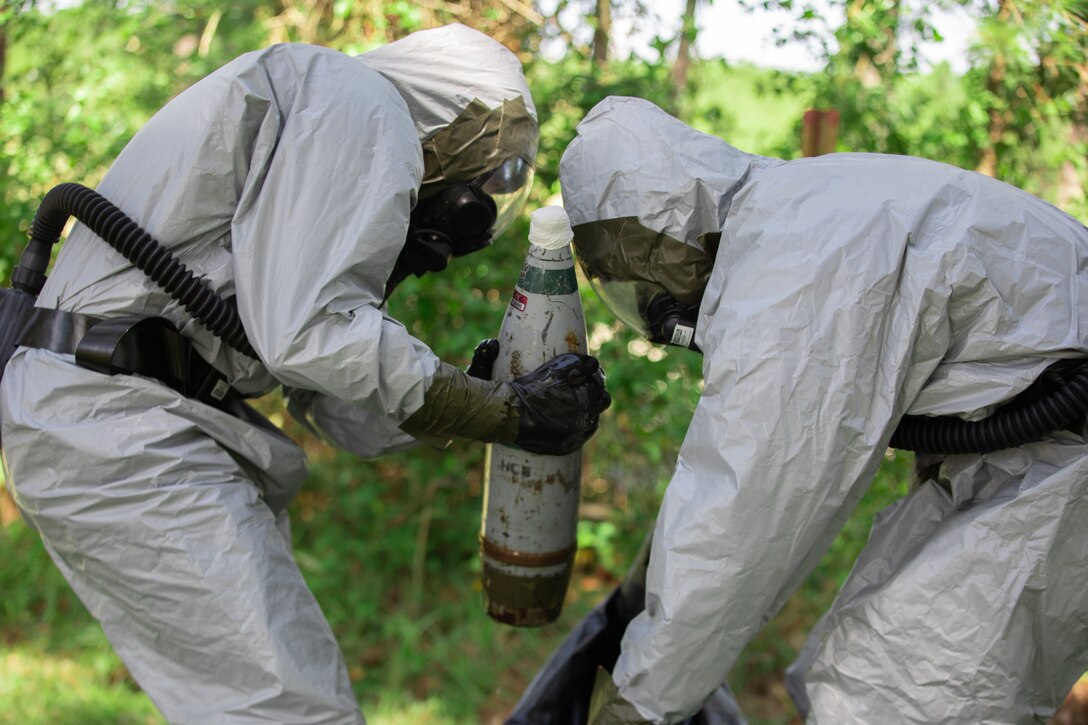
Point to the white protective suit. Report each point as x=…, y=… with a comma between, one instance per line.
x=847, y=291
x=285, y=179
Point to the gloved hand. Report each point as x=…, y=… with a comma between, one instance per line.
x=548, y=395
x=607, y=706
x=552, y=410
x=559, y=404
x=483, y=359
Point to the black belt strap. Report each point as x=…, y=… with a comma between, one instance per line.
x=56, y=330
x=149, y=346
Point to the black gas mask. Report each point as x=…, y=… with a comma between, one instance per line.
x=452, y=223
x=461, y=219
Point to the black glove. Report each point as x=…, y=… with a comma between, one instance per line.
x=483, y=359
x=559, y=404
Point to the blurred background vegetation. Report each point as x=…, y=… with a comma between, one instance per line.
x=390, y=546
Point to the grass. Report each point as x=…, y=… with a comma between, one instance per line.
x=39, y=685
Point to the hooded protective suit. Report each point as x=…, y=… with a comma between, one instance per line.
x=846, y=291
x=286, y=179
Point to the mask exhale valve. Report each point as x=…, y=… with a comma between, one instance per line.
x=452, y=223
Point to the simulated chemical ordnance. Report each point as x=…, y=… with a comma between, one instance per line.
x=528, y=537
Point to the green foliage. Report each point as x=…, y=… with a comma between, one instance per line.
x=80, y=82
x=572, y=86
x=1028, y=94
x=36, y=601
x=1020, y=113
x=389, y=548
x=70, y=690
x=756, y=110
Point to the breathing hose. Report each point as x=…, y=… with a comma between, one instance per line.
x=137, y=246
x=1062, y=401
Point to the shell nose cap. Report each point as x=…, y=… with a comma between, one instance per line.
x=549, y=228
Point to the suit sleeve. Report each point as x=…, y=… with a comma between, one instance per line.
x=320, y=222
x=346, y=426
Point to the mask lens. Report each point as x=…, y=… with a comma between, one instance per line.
x=509, y=187
x=627, y=300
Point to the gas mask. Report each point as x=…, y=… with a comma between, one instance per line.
x=461, y=218
x=646, y=308
x=652, y=282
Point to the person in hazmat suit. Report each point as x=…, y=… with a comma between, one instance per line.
x=830, y=297
x=301, y=184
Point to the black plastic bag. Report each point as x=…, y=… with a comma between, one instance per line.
x=561, y=690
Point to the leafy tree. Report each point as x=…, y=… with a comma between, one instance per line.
x=1018, y=113
x=1026, y=90
x=358, y=25
x=870, y=51
x=79, y=82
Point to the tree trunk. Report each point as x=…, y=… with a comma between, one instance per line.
x=683, y=51
x=987, y=163
x=998, y=120
x=601, y=31
x=9, y=513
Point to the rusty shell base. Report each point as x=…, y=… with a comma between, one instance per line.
x=525, y=601
x=528, y=535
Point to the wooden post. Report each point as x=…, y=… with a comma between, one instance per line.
x=9, y=514
x=819, y=132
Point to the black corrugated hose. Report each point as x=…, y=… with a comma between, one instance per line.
x=137, y=246
x=1061, y=399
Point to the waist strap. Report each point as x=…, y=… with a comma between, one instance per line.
x=148, y=346
x=56, y=330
